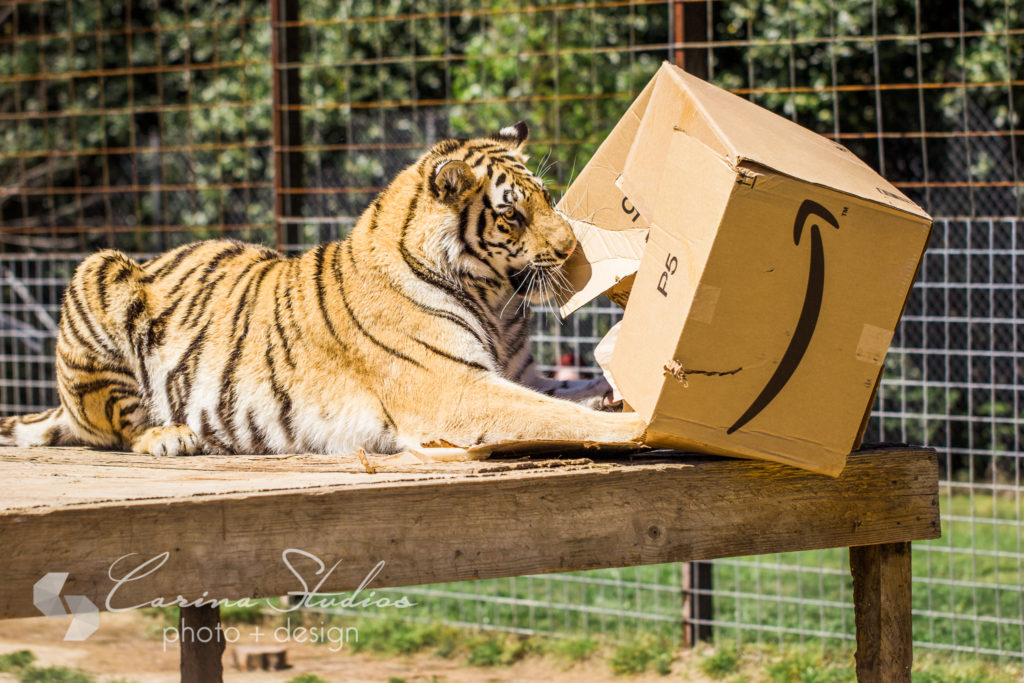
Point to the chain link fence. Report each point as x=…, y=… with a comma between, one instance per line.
x=147, y=124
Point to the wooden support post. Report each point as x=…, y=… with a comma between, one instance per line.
x=202, y=645
x=698, y=605
x=881, y=599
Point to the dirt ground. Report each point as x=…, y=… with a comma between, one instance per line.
x=130, y=645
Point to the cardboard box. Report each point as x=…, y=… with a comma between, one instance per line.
x=765, y=269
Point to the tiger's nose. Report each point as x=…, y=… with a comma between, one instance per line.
x=562, y=255
x=564, y=245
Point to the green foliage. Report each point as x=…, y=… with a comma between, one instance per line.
x=571, y=98
x=485, y=652
x=491, y=649
x=54, y=674
x=572, y=649
x=805, y=666
x=721, y=663
x=638, y=656
x=308, y=678
x=19, y=659
x=395, y=636
x=377, y=92
x=941, y=668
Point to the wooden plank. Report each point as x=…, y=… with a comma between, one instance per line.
x=57, y=478
x=202, y=645
x=507, y=523
x=882, y=609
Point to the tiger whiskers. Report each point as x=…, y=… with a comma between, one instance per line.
x=545, y=165
x=516, y=290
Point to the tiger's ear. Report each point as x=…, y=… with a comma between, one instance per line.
x=514, y=136
x=451, y=181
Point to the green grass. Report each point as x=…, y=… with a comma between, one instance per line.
x=13, y=661
x=572, y=649
x=967, y=613
x=720, y=663
x=402, y=637
x=799, y=665
x=622, y=588
x=54, y=674
x=643, y=653
x=19, y=663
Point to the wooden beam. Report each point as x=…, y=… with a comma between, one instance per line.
x=882, y=600
x=507, y=522
x=202, y=645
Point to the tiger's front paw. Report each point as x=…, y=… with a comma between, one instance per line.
x=170, y=440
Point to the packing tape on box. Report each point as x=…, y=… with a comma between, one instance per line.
x=705, y=300
x=873, y=344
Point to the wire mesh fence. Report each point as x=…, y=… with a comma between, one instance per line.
x=147, y=124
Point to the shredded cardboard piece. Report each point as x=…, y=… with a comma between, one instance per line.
x=675, y=369
x=361, y=454
x=443, y=454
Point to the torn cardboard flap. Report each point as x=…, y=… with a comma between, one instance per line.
x=614, y=255
x=610, y=253
x=514, y=446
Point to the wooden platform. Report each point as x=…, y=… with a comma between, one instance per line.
x=225, y=522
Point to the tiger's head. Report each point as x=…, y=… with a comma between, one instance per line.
x=499, y=219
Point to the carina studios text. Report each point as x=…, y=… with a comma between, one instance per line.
x=307, y=595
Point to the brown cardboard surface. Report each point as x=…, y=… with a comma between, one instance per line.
x=774, y=273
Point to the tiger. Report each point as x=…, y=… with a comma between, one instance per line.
x=413, y=330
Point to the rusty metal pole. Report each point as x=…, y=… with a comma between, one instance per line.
x=690, y=35
x=285, y=53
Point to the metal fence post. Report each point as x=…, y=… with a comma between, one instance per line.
x=689, y=27
x=698, y=608
x=285, y=55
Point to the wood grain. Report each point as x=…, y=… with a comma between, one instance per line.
x=882, y=609
x=449, y=526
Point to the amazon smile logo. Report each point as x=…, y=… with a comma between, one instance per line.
x=808, y=313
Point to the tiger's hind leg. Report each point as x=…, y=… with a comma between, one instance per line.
x=48, y=428
x=102, y=377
